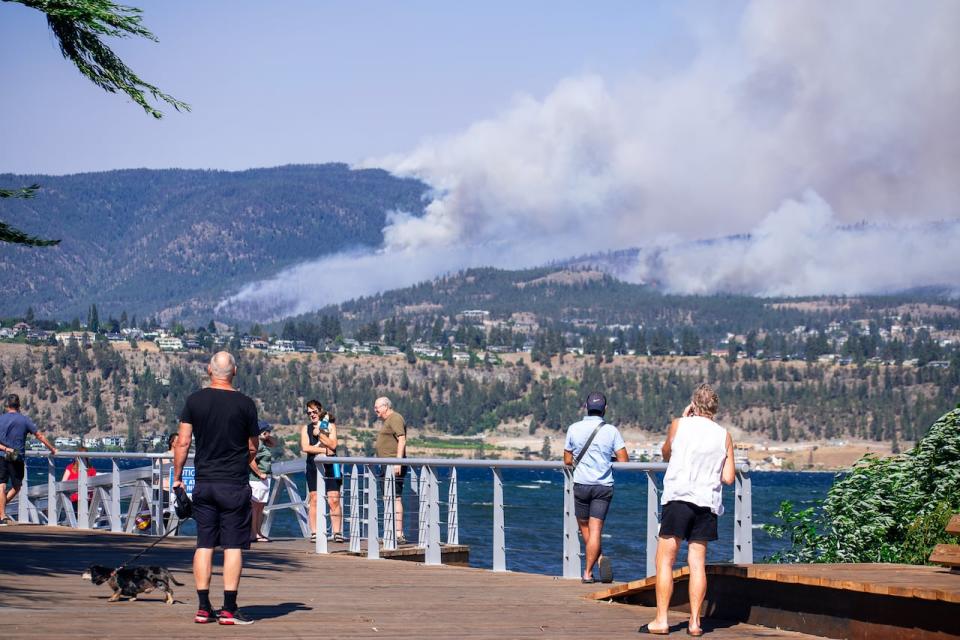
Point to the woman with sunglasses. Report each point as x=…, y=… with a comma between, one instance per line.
x=319, y=439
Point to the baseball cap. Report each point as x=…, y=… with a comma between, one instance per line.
x=264, y=426
x=596, y=401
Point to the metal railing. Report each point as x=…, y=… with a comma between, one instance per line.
x=113, y=500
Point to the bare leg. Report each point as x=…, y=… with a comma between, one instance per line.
x=202, y=567
x=595, y=529
x=257, y=512
x=336, y=514
x=585, y=534
x=3, y=501
x=697, y=558
x=667, y=547
x=232, y=566
x=312, y=511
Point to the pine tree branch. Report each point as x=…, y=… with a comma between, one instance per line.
x=25, y=192
x=15, y=236
x=78, y=26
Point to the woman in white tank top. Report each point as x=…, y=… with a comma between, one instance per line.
x=700, y=456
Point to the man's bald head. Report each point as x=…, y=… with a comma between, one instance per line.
x=222, y=366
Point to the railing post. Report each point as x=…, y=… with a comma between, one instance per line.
x=743, y=519
x=571, y=541
x=423, y=504
x=432, y=554
x=653, y=522
x=83, y=503
x=53, y=513
x=389, y=508
x=373, y=547
x=354, y=511
x=499, y=542
x=156, y=496
x=23, y=500
x=321, y=524
x=453, y=517
x=115, y=496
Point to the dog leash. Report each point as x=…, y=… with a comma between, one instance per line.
x=184, y=511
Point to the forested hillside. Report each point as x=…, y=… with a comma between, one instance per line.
x=147, y=241
x=134, y=393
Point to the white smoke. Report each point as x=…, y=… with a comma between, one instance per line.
x=855, y=102
x=799, y=249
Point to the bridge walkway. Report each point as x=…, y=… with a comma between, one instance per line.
x=294, y=593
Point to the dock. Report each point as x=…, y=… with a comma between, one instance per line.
x=292, y=592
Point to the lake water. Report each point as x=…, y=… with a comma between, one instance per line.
x=533, y=505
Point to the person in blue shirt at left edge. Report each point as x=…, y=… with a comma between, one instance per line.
x=14, y=427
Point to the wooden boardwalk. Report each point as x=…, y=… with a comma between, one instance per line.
x=293, y=593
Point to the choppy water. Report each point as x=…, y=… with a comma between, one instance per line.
x=533, y=510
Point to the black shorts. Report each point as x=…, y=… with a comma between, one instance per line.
x=688, y=521
x=398, y=482
x=591, y=500
x=329, y=475
x=11, y=472
x=223, y=514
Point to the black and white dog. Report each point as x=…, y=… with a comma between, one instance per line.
x=129, y=582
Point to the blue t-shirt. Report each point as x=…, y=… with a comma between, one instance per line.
x=596, y=466
x=13, y=430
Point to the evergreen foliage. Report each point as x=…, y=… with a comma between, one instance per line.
x=885, y=509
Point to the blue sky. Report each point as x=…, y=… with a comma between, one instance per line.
x=299, y=82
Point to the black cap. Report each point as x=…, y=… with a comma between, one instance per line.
x=596, y=401
x=264, y=426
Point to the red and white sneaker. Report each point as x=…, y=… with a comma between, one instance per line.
x=204, y=616
x=235, y=617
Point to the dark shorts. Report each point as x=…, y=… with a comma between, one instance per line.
x=223, y=514
x=334, y=483
x=591, y=500
x=11, y=472
x=398, y=481
x=688, y=521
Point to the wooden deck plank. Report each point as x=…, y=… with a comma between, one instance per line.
x=911, y=581
x=293, y=593
x=953, y=526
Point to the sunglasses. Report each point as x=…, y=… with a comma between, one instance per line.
x=311, y=412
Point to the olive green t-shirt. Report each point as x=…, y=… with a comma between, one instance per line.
x=393, y=428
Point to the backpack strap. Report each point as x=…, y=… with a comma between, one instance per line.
x=587, y=444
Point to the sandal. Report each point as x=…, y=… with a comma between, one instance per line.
x=313, y=537
x=587, y=580
x=646, y=629
x=338, y=537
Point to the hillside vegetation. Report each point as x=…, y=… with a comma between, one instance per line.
x=148, y=241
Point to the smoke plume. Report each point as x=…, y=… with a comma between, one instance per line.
x=809, y=118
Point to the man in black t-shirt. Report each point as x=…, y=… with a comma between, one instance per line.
x=224, y=423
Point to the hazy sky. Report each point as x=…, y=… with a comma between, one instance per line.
x=282, y=82
x=823, y=133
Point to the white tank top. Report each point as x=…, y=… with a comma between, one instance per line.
x=697, y=455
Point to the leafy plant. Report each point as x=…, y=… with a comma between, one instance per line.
x=885, y=510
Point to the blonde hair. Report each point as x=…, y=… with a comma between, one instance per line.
x=705, y=401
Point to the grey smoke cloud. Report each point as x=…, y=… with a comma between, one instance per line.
x=811, y=117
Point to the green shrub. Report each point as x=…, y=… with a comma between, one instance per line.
x=885, y=509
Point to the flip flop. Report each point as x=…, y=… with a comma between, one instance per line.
x=646, y=629
x=696, y=633
x=605, y=569
x=587, y=580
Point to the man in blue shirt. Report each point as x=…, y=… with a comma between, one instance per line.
x=14, y=427
x=590, y=448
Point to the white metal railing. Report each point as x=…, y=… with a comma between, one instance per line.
x=113, y=500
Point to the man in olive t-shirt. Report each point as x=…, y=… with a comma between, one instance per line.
x=392, y=443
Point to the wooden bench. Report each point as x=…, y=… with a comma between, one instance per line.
x=949, y=554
